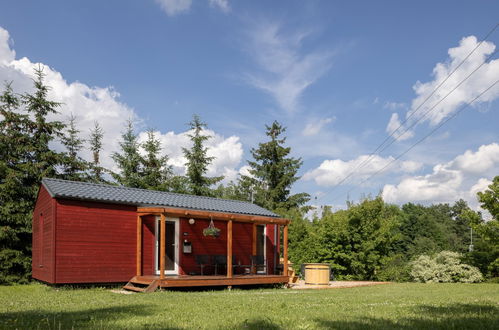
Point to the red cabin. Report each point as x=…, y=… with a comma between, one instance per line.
x=97, y=233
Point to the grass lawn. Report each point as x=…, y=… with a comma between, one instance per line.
x=406, y=306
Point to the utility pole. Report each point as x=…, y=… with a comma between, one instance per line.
x=470, y=248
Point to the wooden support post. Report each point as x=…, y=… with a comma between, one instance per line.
x=162, y=247
x=253, y=248
x=285, y=250
x=139, y=246
x=229, y=249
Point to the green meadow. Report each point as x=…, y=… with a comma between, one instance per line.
x=392, y=306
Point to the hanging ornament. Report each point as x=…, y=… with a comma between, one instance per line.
x=211, y=230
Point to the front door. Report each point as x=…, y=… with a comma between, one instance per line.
x=171, y=246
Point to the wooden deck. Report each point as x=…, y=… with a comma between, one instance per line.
x=149, y=283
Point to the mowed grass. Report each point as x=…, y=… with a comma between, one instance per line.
x=400, y=306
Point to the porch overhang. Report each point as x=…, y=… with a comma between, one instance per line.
x=163, y=212
x=200, y=214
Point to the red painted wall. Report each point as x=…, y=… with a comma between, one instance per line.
x=42, y=263
x=95, y=242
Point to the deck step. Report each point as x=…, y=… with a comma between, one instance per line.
x=134, y=288
x=139, y=285
x=141, y=281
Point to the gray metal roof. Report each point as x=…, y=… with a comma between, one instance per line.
x=142, y=197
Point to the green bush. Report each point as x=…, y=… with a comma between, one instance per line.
x=445, y=267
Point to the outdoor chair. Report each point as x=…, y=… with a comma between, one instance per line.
x=203, y=260
x=221, y=260
x=258, y=262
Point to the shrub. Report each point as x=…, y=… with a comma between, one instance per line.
x=445, y=267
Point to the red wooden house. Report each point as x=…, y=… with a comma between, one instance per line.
x=96, y=233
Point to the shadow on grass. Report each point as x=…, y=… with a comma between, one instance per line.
x=457, y=316
x=99, y=318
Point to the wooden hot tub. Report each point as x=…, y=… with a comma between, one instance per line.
x=317, y=274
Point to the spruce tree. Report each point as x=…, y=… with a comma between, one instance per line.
x=73, y=166
x=155, y=169
x=129, y=160
x=95, y=145
x=25, y=157
x=198, y=161
x=273, y=172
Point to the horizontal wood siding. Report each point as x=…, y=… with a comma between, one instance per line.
x=96, y=242
x=148, y=244
x=42, y=262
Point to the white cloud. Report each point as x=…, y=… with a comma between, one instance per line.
x=223, y=5
x=332, y=172
x=285, y=70
x=460, y=178
x=87, y=103
x=7, y=54
x=313, y=128
x=481, y=161
x=395, y=127
x=228, y=152
x=91, y=104
x=470, y=89
x=174, y=7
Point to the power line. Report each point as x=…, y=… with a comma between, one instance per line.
x=363, y=163
x=426, y=136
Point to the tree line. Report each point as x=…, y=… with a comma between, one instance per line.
x=369, y=240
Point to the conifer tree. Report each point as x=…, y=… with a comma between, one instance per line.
x=155, y=169
x=25, y=157
x=273, y=172
x=73, y=167
x=129, y=160
x=198, y=161
x=95, y=145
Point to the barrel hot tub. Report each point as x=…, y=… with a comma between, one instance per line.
x=317, y=274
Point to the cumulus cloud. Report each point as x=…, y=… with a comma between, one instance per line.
x=228, y=152
x=87, y=103
x=395, y=127
x=332, y=172
x=471, y=88
x=314, y=127
x=102, y=104
x=462, y=177
x=285, y=69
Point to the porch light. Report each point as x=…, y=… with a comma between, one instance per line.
x=192, y=221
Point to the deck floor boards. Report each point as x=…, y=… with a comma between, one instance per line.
x=212, y=280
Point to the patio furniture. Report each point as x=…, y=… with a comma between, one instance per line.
x=258, y=262
x=203, y=260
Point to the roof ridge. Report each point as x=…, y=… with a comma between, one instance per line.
x=148, y=190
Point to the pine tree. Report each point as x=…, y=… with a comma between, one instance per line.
x=42, y=131
x=95, y=145
x=198, y=161
x=25, y=157
x=155, y=169
x=129, y=160
x=73, y=167
x=273, y=172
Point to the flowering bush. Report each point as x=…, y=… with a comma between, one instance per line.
x=445, y=267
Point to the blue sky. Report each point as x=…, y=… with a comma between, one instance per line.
x=339, y=75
